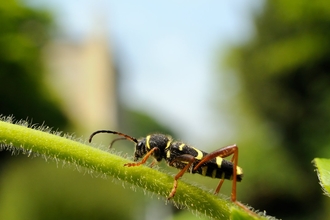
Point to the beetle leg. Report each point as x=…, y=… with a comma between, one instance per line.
x=144, y=159
x=187, y=158
x=224, y=152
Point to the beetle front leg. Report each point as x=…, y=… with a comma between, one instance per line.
x=144, y=159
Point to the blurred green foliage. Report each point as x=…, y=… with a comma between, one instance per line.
x=323, y=172
x=23, y=32
x=283, y=106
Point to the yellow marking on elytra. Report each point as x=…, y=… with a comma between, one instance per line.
x=214, y=173
x=168, y=144
x=181, y=147
x=204, y=170
x=147, y=141
x=168, y=154
x=218, y=161
x=239, y=171
x=199, y=154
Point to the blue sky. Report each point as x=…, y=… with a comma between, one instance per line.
x=168, y=52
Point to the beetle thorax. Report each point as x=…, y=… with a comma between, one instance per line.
x=159, y=141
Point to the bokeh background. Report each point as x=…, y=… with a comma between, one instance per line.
x=211, y=73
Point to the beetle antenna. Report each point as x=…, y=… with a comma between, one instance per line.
x=117, y=139
x=125, y=136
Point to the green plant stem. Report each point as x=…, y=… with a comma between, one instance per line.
x=15, y=137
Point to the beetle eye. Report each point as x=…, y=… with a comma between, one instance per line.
x=139, y=145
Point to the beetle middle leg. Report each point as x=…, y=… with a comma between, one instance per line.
x=187, y=158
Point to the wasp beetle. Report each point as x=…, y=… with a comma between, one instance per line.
x=185, y=158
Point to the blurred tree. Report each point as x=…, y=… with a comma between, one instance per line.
x=23, y=32
x=284, y=74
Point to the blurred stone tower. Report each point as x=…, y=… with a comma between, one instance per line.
x=84, y=76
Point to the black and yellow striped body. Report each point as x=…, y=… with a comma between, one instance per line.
x=170, y=150
x=215, y=168
x=186, y=158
